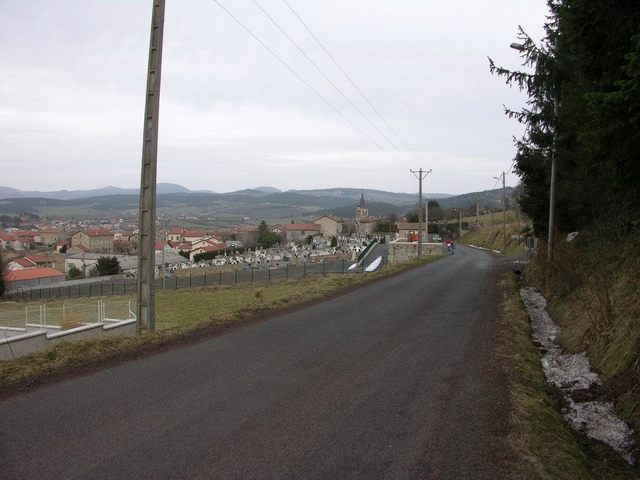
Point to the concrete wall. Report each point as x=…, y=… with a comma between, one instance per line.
x=402, y=251
x=21, y=345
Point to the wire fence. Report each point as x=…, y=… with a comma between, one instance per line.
x=65, y=316
x=129, y=286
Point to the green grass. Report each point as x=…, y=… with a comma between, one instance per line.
x=179, y=315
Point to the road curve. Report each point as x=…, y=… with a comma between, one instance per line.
x=393, y=381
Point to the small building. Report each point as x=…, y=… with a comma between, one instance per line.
x=31, y=262
x=32, y=277
x=297, y=232
x=330, y=226
x=95, y=239
x=51, y=236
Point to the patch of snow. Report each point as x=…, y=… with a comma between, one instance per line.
x=598, y=420
x=570, y=373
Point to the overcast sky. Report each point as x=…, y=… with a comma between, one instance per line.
x=73, y=76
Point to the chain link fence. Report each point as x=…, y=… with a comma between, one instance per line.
x=128, y=286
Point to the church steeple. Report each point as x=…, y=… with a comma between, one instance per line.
x=362, y=211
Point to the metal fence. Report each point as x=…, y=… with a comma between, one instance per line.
x=129, y=286
x=65, y=316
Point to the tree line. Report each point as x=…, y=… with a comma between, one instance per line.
x=588, y=68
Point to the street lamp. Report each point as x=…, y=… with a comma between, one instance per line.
x=552, y=186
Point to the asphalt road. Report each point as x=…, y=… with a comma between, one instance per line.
x=391, y=381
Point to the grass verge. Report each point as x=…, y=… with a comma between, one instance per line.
x=541, y=444
x=183, y=315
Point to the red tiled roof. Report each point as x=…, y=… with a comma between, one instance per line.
x=212, y=248
x=7, y=237
x=31, y=274
x=304, y=226
x=159, y=245
x=24, y=262
x=40, y=258
x=194, y=233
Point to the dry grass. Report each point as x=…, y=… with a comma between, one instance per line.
x=594, y=292
x=542, y=444
x=179, y=315
x=490, y=233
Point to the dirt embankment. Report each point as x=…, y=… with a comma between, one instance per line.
x=594, y=292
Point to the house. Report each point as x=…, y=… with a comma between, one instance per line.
x=32, y=277
x=17, y=239
x=206, y=242
x=8, y=240
x=206, y=249
x=330, y=226
x=51, y=236
x=247, y=235
x=95, y=239
x=31, y=262
x=297, y=232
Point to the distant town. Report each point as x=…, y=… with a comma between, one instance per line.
x=41, y=252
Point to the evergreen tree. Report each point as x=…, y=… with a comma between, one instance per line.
x=589, y=63
x=107, y=266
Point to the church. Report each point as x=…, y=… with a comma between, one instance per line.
x=365, y=224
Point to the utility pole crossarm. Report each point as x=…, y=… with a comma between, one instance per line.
x=421, y=175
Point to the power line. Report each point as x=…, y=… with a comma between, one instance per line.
x=326, y=77
x=299, y=77
x=350, y=80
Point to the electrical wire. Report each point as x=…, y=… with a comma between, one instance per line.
x=326, y=77
x=305, y=82
x=350, y=80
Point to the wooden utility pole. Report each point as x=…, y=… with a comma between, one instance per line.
x=504, y=213
x=420, y=175
x=145, y=311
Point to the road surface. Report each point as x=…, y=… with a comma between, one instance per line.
x=391, y=381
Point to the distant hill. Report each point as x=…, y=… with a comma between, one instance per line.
x=256, y=204
x=8, y=192
x=487, y=199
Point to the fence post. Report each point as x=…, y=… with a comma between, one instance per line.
x=90, y=290
x=205, y=279
x=251, y=274
x=189, y=279
x=323, y=268
x=220, y=283
x=304, y=265
x=236, y=276
x=269, y=273
x=64, y=312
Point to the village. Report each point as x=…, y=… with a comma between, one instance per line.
x=49, y=253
